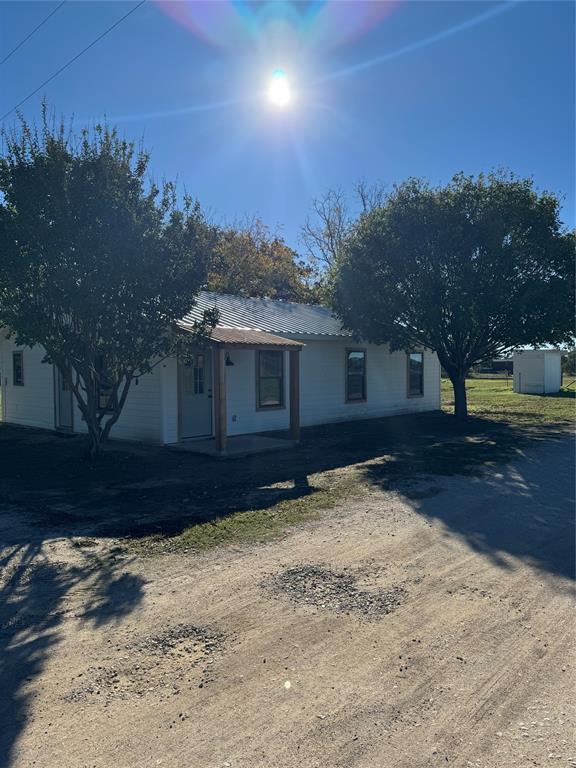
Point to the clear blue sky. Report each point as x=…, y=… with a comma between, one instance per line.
x=380, y=92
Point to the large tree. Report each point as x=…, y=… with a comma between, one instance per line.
x=97, y=262
x=251, y=261
x=470, y=270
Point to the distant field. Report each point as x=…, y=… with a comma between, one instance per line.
x=494, y=399
x=567, y=378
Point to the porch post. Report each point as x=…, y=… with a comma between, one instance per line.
x=295, y=394
x=220, y=399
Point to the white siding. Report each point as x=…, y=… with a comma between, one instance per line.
x=151, y=411
x=141, y=417
x=537, y=372
x=322, y=388
x=169, y=399
x=323, y=383
x=32, y=404
x=241, y=411
x=552, y=372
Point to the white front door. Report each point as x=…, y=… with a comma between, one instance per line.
x=64, y=418
x=195, y=392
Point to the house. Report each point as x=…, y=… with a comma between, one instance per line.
x=268, y=366
x=538, y=371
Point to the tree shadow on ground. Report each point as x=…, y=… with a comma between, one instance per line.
x=147, y=490
x=520, y=513
x=33, y=590
x=48, y=491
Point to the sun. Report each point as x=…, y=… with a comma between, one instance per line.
x=279, y=93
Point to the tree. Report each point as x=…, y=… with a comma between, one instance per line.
x=97, y=263
x=325, y=231
x=569, y=363
x=470, y=270
x=250, y=261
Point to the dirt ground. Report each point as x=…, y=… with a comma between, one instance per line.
x=411, y=628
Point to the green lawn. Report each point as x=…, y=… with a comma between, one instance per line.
x=502, y=424
x=158, y=500
x=493, y=399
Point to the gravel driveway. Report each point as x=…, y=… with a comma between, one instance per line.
x=426, y=628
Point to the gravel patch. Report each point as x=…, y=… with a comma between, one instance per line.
x=335, y=591
x=163, y=665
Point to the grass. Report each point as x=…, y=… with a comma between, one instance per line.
x=501, y=426
x=158, y=501
x=494, y=400
x=255, y=525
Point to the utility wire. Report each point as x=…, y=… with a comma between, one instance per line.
x=73, y=59
x=21, y=43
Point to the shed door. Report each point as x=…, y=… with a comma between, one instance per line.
x=195, y=394
x=63, y=402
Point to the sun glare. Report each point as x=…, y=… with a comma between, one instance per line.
x=279, y=93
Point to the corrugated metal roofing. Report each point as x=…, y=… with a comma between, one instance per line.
x=283, y=317
x=243, y=336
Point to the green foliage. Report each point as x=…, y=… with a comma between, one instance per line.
x=250, y=261
x=470, y=270
x=97, y=262
x=569, y=363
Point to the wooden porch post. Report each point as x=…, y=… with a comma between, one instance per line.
x=220, y=399
x=295, y=394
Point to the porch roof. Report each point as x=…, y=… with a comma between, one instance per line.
x=246, y=337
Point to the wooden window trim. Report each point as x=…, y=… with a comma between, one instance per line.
x=356, y=399
x=409, y=395
x=282, y=406
x=20, y=354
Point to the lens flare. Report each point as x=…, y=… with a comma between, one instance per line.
x=279, y=93
x=239, y=24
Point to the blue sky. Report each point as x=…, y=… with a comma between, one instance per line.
x=380, y=92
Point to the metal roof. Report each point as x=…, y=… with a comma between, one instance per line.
x=245, y=337
x=282, y=317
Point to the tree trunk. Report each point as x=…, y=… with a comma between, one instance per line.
x=460, y=401
x=95, y=442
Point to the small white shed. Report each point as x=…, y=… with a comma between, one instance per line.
x=538, y=371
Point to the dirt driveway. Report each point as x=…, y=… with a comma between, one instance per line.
x=427, y=628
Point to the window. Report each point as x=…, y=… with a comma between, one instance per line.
x=415, y=374
x=355, y=375
x=18, y=369
x=193, y=376
x=104, y=386
x=199, y=374
x=270, y=379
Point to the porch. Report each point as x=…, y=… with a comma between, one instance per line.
x=223, y=343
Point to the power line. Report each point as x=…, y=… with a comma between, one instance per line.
x=72, y=60
x=21, y=43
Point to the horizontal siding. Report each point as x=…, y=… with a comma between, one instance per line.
x=169, y=398
x=322, y=388
x=141, y=417
x=323, y=383
x=242, y=414
x=151, y=411
x=32, y=404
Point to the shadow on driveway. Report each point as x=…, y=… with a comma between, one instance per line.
x=47, y=490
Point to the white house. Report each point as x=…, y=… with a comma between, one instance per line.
x=538, y=371
x=269, y=365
